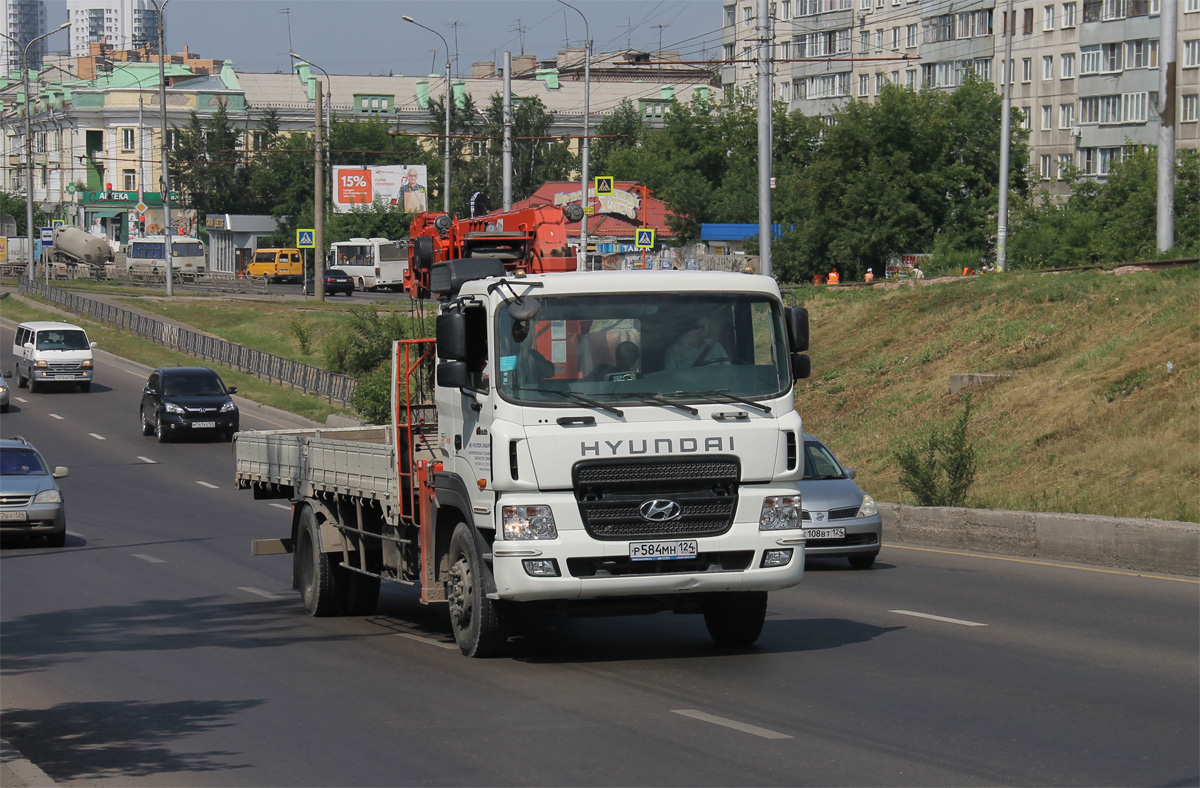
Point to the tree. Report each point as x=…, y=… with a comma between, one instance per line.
x=14, y=205
x=621, y=130
x=209, y=166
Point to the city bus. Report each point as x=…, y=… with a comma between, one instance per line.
x=150, y=252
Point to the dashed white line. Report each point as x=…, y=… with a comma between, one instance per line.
x=147, y=459
x=429, y=641
x=21, y=399
x=737, y=726
x=97, y=437
x=56, y=416
x=958, y=621
x=149, y=558
x=72, y=533
x=206, y=484
x=281, y=506
x=259, y=592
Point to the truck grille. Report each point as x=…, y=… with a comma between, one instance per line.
x=63, y=366
x=611, y=492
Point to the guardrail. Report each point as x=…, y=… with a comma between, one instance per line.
x=204, y=282
x=330, y=386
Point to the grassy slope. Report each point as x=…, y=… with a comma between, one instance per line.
x=1091, y=421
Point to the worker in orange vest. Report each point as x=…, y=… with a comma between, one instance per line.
x=818, y=279
x=869, y=276
x=833, y=277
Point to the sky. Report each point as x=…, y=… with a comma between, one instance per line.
x=370, y=37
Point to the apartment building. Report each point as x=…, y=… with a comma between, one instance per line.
x=24, y=20
x=1084, y=73
x=124, y=24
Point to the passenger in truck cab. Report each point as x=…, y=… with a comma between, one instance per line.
x=625, y=363
x=695, y=347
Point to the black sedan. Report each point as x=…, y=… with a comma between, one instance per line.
x=336, y=281
x=181, y=401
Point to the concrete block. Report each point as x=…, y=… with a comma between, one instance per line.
x=997, y=531
x=1077, y=537
x=1159, y=546
x=935, y=526
x=889, y=513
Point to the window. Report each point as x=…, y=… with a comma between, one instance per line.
x=728, y=52
x=1110, y=58
x=1066, y=116
x=864, y=41
x=129, y=177
x=1046, y=165
x=1191, y=6
x=983, y=68
x=1089, y=60
x=864, y=84
x=895, y=38
x=880, y=81
x=910, y=79
x=1134, y=107
x=785, y=9
x=127, y=139
x=1069, y=11
x=1025, y=124
x=1048, y=18
x=1142, y=53
x=1026, y=69
x=1047, y=67
x=785, y=50
x=785, y=91
x=1190, y=108
x=864, y=5
x=879, y=39
x=911, y=37
x=1047, y=117
x=1191, y=53
x=1108, y=157
x=1087, y=161
x=1068, y=65
x=730, y=16
x=1027, y=24
x=747, y=17
x=1064, y=164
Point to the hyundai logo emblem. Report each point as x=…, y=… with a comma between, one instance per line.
x=660, y=510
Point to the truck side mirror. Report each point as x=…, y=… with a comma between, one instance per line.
x=801, y=366
x=451, y=337
x=796, y=318
x=452, y=374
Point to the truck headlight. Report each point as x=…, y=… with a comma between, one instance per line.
x=528, y=522
x=868, y=508
x=85, y=364
x=171, y=407
x=779, y=513
x=41, y=364
x=48, y=496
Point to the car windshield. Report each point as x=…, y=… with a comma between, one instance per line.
x=205, y=384
x=638, y=349
x=819, y=463
x=62, y=340
x=21, y=462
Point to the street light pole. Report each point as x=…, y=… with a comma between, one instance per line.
x=29, y=149
x=328, y=93
x=449, y=100
x=166, y=170
x=585, y=200
x=318, y=181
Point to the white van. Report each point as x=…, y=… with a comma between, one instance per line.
x=48, y=352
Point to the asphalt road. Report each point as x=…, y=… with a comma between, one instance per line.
x=154, y=650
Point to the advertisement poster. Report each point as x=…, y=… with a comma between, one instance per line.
x=405, y=186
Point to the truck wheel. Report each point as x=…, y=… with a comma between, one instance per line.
x=735, y=618
x=315, y=570
x=22, y=381
x=476, y=620
x=33, y=384
x=147, y=427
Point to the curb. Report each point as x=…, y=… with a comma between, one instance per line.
x=18, y=772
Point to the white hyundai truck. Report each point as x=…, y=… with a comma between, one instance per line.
x=570, y=443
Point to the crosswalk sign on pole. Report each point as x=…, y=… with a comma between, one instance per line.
x=305, y=239
x=644, y=238
x=604, y=185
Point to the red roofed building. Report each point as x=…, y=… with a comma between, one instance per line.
x=611, y=229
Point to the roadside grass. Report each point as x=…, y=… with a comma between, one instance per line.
x=146, y=352
x=1090, y=421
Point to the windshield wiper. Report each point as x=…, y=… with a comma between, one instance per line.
x=648, y=397
x=725, y=395
x=580, y=398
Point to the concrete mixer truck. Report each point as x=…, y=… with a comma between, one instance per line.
x=74, y=247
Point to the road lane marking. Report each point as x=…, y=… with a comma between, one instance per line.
x=97, y=437
x=21, y=399
x=737, y=726
x=147, y=460
x=429, y=641
x=259, y=592
x=281, y=506
x=209, y=486
x=1101, y=570
x=939, y=618
x=149, y=558
x=56, y=416
x=72, y=533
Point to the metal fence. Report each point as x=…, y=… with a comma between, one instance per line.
x=330, y=386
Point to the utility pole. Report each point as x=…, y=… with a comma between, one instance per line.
x=585, y=145
x=765, y=70
x=319, y=203
x=1005, y=133
x=166, y=159
x=1169, y=22
x=506, y=159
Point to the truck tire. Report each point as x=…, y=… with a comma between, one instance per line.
x=735, y=618
x=315, y=570
x=476, y=620
x=22, y=381
x=33, y=384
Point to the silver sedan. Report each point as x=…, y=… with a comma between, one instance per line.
x=839, y=519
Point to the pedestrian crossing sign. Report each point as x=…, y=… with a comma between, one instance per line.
x=304, y=239
x=604, y=185
x=644, y=238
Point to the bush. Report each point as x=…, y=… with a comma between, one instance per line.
x=302, y=330
x=940, y=470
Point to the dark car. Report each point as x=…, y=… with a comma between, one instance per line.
x=838, y=518
x=31, y=503
x=188, y=401
x=336, y=281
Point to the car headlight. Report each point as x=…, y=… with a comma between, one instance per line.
x=528, y=522
x=227, y=407
x=779, y=513
x=48, y=496
x=171, y=407
x=868, y=508
x=85, y=364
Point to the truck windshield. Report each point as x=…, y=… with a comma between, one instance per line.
x=634, y=349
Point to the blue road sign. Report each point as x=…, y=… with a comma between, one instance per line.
x=644, y=238
x=304, y=239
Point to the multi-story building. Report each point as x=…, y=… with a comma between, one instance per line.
x=24, y=20
x=125, y=24
x=1084, y=74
